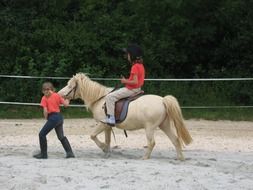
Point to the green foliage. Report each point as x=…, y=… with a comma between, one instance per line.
x=181, y=39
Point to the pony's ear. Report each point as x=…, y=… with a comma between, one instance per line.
x=76, y=76
x=81, y=75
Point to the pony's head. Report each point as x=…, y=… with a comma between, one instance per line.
x=81, y=86
x=72, y=89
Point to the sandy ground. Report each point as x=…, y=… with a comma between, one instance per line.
x=221, y=157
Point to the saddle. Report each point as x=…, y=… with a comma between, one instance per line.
x=121, y=106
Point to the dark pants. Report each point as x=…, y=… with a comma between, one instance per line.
x=54, y=120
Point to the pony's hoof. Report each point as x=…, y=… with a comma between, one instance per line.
x=181, y=158
x=107, y=155
x=145, y=158
x=106, y=150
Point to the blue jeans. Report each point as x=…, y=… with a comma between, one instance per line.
x=54, y=120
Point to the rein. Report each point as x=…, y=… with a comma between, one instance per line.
x=99, y=99
x=102, y=96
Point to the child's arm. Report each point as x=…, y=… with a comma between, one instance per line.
x=45, y=113
x=127, y=81
x=65, y=102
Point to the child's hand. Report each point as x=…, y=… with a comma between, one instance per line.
x=66, y=102
x=123, y=79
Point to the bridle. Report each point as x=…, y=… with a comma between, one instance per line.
x=73, y=89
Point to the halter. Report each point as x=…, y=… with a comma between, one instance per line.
x=74, y=88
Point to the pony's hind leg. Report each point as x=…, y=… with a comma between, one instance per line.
x=150, y=141
x=171, y=133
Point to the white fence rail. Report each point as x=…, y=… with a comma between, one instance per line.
x=113, y=79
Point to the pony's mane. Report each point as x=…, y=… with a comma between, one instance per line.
x=90, y=90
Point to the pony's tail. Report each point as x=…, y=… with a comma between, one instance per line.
x=174, y=113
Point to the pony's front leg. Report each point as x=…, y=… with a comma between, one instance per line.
x=99, y=129
x=151, y=142
x=107, y=147
x=108, y=132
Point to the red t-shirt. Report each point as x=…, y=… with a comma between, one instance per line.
x=137, y=68
x=52, y=103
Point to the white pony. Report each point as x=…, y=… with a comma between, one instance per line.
x=148, y=112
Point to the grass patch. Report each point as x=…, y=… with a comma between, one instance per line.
x=233, y=114
x=28, y=112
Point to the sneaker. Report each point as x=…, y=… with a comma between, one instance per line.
x=110, y=120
